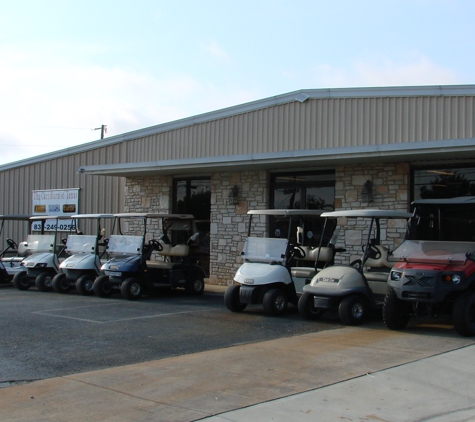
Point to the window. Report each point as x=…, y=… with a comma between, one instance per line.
x=309, y=190
x=440, y=182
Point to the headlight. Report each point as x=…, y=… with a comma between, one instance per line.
x=452, y=278
x=396, y=275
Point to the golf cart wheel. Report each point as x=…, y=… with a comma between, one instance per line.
x=275, y=302
x=307, y=308
x=352, y=310
x=21, y=281
x=395, y=311
x=195, y=285
x=61, y=283
x=131, y=288
x=102, y=286
x=85, y=285
x=44, y=281
x=464, y=314
x=231, y=299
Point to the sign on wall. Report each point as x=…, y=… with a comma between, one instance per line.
x=55, y=202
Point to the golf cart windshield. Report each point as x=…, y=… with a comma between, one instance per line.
x=40, y=243
x=426, y=251
x=264, y=249
x=125, y=245
x=80, y=244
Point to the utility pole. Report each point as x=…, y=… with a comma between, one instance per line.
x=103, y=130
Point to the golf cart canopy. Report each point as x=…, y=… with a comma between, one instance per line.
x=286, y=213
x=152, y=215
x=365, y=213
x=51, y=217
x=461, y=200
x=81, y=216
x=15, y=217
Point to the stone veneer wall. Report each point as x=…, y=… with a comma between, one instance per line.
x=229, y=221
x=390, y=191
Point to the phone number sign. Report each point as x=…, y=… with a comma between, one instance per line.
x=55, y=202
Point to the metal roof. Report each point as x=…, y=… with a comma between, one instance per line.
x=286, y=213
x=446, y=201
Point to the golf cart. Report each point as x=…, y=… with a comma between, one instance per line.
x=356, y=289
x=12, y=256
x=44, y=255
x=435, y=272
x=139, y=266
x=83, y=265
x=276, y=269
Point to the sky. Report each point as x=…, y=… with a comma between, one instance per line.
x=67, y=67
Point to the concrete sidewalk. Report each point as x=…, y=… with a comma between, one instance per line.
x=353, y=372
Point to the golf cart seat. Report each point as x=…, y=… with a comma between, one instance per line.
x=177, y=250
x=378, y=269
x=323, y=254
x=21, y=253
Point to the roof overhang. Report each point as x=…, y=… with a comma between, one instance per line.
x=410, y=152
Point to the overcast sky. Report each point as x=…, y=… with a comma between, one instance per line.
x=70, y=66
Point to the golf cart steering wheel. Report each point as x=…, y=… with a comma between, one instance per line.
x=373, y=252
x=300, y=251
x=155, y=244
x=11, y=243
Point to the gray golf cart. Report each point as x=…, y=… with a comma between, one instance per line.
x=356, y=289
x=44, y=254
x=276, y=268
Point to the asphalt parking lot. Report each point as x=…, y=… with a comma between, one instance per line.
x=49, y=334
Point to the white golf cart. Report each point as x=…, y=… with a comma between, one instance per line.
x=276, y=269
x=83, y=265
x=14, y=253
x=357, y=288
x=44, y=255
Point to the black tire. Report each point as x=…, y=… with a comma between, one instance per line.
x=44, y=281
x=353, y=310
x=275, y=302
x=463, y=314
x=131, y=288
x=395, y=311
x=61, y=283
x=102, y=286
x=21, y=281
x=195, y=285
x=85, y=285
x=307, y=309
x=231, y=299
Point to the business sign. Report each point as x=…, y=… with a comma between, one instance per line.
x=55, y=202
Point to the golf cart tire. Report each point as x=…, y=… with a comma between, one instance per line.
x=102, y=286
x=275, y=302
x=44, y=281
x=231, y=299
x=61, y=283
x=353, y=309
x=195, y=285
x=21, y=281
x=131, y=288
x=463, y=314
x=395, y=311
x=307, y=308
x=85, y=285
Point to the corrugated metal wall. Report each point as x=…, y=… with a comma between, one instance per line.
x=316, y=123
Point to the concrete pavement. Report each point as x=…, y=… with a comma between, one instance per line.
x=350, y=373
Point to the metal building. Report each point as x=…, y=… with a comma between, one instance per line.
x=333, y=148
